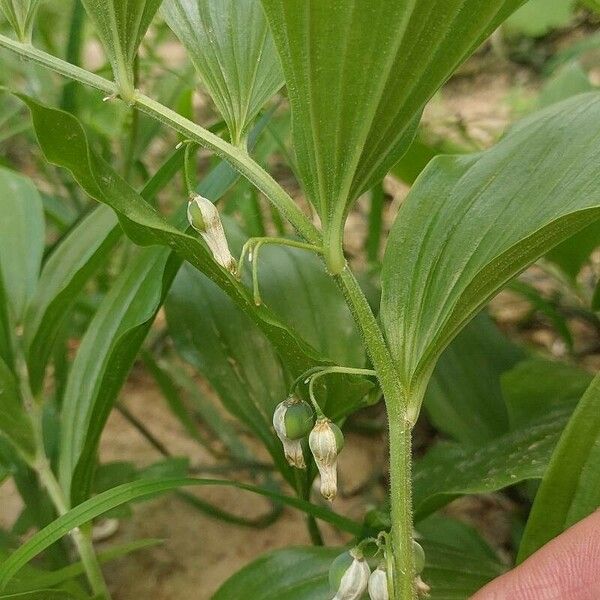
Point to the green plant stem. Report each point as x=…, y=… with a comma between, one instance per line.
x=41, y=465
x=395, y=397
x=81, y=538
x=396, y=400
x=237, y=157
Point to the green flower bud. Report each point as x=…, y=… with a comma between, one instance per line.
x=418, y=557
x=349, y=575
x=378, y=587
x=205, y=219
x=326, y=440
x=298, y=420
x=292, y=448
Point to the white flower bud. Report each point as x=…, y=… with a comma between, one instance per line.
x=291, y=448
x=355, y=579
x=326, y=441
x=378, y=587
x=205, y=219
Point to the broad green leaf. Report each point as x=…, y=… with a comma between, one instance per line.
x=358, y=75
x=103, y=360
x=471, y=223
x=537, y=386
x=212, y=334
x=288, y=574
x=570, y=488
x=448, y=471
x=70, y=265
x=102, y=503
x=456, y=574
x=538, y=17
x=231, y=47
x=455, y=534
x=464, y=398
x=217, y=338
x=121, y=25
x=296, y=286
x=21, y=240
x=20, y=14
x=14, y=423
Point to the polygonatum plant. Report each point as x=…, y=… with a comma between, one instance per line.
x=271, y=312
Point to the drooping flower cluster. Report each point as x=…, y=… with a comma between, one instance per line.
x=293, y=420
x=350, y=575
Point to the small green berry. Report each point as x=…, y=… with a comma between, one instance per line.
x=299, y=420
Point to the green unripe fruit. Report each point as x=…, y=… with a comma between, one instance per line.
x=338, y=568
x=298, y=420
x=419, y=557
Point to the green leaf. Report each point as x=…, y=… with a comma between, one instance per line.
x=538, y=17
x=14, y=423
x=464, y=397
x=288, y=574
x=94, y=507
x=455, y=534
x=454, y=574
x=103, y=360
x=471, y=223
x=64, y=274
x=570, y=488
x=448, y=471
x=21, y=240
x=121, y=25
x=20, y=14
x=537, y=386
x=358, y=75
x=212, y=334
x=296, y=286
x=231, y=47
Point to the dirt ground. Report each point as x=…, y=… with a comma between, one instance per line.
x=199, y=552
